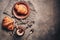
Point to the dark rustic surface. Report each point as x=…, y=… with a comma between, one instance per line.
x=44, y=13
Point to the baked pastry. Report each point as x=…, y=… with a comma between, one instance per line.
x=8, y=23
x=21, y=9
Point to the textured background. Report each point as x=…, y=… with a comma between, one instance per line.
x=45, y=13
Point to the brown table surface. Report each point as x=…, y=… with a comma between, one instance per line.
x=42, y=12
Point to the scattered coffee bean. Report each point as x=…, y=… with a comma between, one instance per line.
x=31, y=31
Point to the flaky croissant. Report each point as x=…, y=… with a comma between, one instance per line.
x=22, y=9
x=8, y=23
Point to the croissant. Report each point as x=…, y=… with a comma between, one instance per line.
x=22, y=9
x=8, y=23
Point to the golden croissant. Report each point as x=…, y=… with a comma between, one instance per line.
x=8, y=23
x=22, y=9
